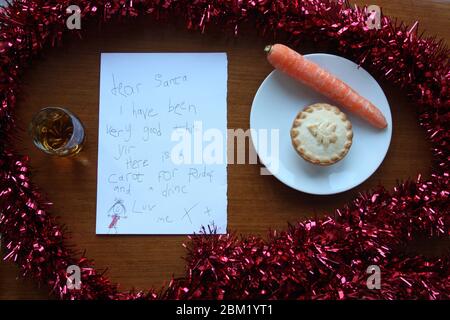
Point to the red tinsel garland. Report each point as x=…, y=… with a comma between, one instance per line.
x=316, y=259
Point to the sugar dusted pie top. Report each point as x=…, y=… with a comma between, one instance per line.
x=322, y=134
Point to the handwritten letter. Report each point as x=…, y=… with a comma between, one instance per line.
x=162, y=143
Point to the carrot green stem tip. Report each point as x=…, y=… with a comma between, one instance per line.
x=268, y=48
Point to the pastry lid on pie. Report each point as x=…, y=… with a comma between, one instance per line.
x=322, y=134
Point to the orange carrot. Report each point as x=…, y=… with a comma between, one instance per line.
x=295, y=65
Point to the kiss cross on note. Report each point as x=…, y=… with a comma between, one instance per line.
x=162, y=166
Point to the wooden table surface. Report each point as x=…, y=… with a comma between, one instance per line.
x=69, y=76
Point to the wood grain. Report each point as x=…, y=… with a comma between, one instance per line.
x=69, y=77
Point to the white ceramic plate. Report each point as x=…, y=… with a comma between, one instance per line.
x=280, y=98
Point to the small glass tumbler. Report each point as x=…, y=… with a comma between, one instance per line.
x=57, y=131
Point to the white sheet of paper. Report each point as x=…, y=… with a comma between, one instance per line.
x=144, y=98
